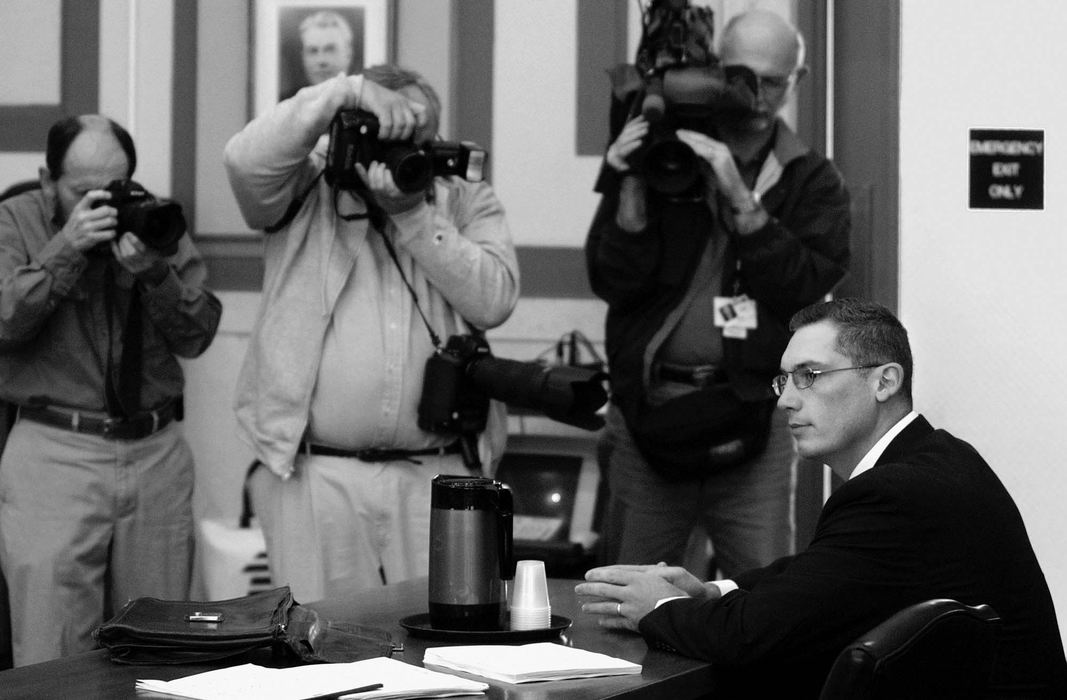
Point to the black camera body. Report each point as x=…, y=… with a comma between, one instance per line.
x=677, y=82
x=354, y=139
x=462, y=376
x=158, y=223
x=450, y=403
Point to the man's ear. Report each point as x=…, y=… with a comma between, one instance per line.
x=801, y=73
x=47, y=183
x=890, y=381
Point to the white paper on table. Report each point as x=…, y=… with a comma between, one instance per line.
x=398, y=680
x=543, y=661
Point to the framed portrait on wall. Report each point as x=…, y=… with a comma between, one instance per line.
x=303, y=42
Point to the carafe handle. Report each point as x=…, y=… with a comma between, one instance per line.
x=505, y=515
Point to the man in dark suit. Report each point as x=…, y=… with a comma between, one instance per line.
x=920, y=516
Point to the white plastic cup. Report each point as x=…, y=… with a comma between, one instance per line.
x=530, y=608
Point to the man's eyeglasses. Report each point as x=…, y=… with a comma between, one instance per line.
x=770, y=85
x=805, y=377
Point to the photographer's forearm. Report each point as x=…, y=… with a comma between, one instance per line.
x=267, y=161
x=474, y=266
x=182, y=309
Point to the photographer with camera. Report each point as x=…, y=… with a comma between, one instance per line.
x=701, y=275
x=100, y=294
x=375, y=252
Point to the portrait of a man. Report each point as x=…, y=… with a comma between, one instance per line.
x=316, y=44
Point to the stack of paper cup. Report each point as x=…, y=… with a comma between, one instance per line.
x=529, y=603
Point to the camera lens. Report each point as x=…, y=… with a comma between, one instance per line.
x=670, y=166
x=411, y=167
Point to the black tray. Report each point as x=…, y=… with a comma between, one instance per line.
x=419, y=626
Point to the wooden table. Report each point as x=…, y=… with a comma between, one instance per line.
x=92, y=675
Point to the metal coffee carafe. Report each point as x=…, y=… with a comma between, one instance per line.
x=470, y=552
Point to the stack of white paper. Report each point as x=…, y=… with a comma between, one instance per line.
x=545, y=661
x=398, y=679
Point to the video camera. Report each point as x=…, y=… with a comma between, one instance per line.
x=159, y=223
x=462, y=376
x=354, y=139
x=677, y=82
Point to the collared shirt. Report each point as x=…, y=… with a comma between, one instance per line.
x=62, y=313
x=338, y=351
x=875, y=452
x=868, y=461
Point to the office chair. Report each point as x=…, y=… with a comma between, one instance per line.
x=935, y=649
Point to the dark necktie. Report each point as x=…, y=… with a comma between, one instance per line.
x=123, y=388
x=129, y=389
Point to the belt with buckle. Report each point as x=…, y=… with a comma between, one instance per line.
x=376, y=454
x=133, y=428
x=699, y=375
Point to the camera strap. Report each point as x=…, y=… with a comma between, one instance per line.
x=468, y=442
x=434, y=338
x=378, y=219
x=295, y=206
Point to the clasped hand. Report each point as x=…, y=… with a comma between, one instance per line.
x=625, y=593
x=92, y=222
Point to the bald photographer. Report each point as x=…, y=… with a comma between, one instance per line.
x=716, y=223
x=101, y=293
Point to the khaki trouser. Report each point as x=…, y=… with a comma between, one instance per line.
x=87, y=524
x=340, y=524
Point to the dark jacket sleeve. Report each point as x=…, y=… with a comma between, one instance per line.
x=181, y=308
x=859, y=570
x=621, y=264
x=803, y=251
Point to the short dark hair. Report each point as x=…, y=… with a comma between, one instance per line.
x=394, y=77
x=63, y=133
x=867, y=333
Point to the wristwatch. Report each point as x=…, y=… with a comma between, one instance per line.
x=750, y=208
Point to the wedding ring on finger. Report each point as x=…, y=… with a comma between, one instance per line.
x=618, y=608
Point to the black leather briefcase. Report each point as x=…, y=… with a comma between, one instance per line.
x=153, y=631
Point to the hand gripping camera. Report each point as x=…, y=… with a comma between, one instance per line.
x=354, y=139
x=677, y=82
x=462, y=376
x=159, y=223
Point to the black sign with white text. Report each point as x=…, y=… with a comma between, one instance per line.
x=1007, y=169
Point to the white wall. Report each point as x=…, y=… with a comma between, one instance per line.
x=983, y=292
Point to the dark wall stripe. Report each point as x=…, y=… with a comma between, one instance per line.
x=25, y=128
x=473, y=72
x=183, y=109
x=811, y=97
x=602, y=33
x=553, y=273
x=235, y=264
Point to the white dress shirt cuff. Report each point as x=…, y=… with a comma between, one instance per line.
x=725, y=586
x=661, y=601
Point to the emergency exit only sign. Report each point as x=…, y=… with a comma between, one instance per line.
x=1007, y=169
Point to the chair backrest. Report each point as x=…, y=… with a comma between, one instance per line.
x=19, y=188
x=935, y=649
